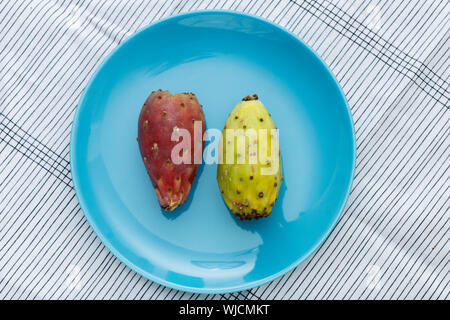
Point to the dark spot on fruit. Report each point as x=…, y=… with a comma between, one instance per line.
x=159, y=97
x=236, y=117
x=178, y=178
x=245, y=127
x=248, y=98
x=182, y=105
x=272, y=204
x=168, y=163
x=260, y=194
x=251, y=177
x=240, y=179
x=238, y=192
x=163, y=114
x=261, y=119
x=275, y=184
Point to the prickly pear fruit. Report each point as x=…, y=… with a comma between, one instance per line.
x=162, y=116
x=249, y=171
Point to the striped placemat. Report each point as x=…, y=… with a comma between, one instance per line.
x=391, y=58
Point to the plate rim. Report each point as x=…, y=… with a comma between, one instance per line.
x=146, y=274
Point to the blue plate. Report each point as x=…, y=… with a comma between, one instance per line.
x=221, y=57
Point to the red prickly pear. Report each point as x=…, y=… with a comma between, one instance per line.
x=162, y=115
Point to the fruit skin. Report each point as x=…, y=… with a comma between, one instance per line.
x=160, y=115
x=248, y=193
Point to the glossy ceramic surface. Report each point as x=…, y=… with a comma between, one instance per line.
x=222, y=57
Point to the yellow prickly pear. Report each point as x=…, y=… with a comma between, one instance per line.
x=249, y=171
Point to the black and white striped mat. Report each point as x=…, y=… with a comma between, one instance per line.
x=391, y=58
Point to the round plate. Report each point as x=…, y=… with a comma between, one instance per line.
x=221, y=57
